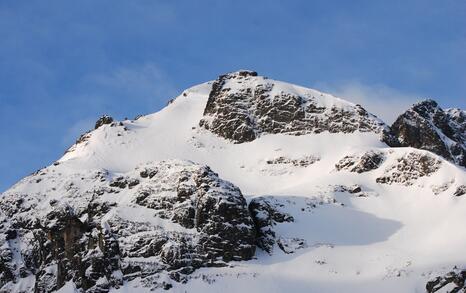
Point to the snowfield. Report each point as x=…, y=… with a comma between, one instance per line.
x=389, y=227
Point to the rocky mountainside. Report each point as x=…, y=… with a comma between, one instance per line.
x=243, y=105
x=429, y=127
x=98, y=230
x=245, y=183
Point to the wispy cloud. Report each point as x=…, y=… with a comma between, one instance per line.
x=385, y=102
x=145, y=84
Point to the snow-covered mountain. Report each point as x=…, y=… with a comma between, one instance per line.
x=243, y=184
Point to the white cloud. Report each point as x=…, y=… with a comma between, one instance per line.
x=385, y=102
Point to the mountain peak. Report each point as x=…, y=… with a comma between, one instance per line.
x=427, y=126
x=426, y=107
x=104, y=119
x=430, y=103
x=243, y=105
x=241, y=72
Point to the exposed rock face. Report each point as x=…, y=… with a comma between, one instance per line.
x=361, y=163
x=454, y=280
x=266, y=213
x=410, y=167
x=460, y=190
x=404, y=169
x=304, y=161
x=242, y=106
x=429, y=127
x=165, y=218
x=215, y=208
x=105, y=119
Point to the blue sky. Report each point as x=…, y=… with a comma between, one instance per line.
x=64, y=63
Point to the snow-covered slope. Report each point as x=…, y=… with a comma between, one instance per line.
x=304, y=200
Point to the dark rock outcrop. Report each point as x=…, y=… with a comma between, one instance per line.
x=105, y=119
x=455, y=280
x=176, y=216
x=303, y=161
x=402, y=168
x=427, y=126
x=460, y=190
x=242, y=106
x=410, y=167
x=365, y=162
x=215, y=208
x=266, y=214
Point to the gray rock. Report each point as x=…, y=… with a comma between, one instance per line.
x=427, y=126
x=365, y=162
x=192, y=219
x=460, y=190
x=242, y=106
x=105, y=119
x=409, y=168
x=266, y=213
x=455, y=279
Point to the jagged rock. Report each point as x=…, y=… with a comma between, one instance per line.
x=361, y=163
x=460, y=190
x=105, y=119
x=409, y=168
x=405, y=169
x=455, y=280
x=200, y=200
x=304, y=161
x=148, y=172
x=355, y=189
x=242, y=106
x=7, y=268
x=266, y=213
x=427, y=126
x=178, y=215
x=122, y=182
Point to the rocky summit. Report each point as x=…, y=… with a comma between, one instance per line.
x=243, y=105
x=246, y=184
x=427, y=126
